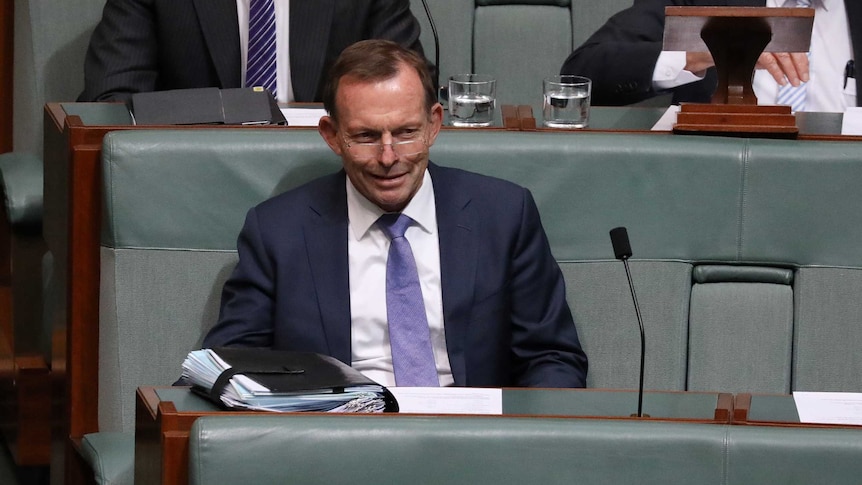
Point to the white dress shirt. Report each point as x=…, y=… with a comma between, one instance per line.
x=282, y=53
x=368, y=249
x=830, y=50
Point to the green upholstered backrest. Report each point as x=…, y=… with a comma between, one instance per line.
x=746, y=261
x=503, y=450
x=455, y=450
x=454, y=22
x=793, y=456
x=588, y=16
x=51, y=39
x=519, y=42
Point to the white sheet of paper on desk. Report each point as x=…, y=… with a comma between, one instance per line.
x=829, y=407
x=665, y=123
x=852, y=121
x=303, y=116
x=448, y=400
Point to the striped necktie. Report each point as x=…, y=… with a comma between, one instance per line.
x=260, y=66
x=409, y=336
x=795, y=96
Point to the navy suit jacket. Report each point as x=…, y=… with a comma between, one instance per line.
x=621, y=55
x=506, y=319
x=155, y=45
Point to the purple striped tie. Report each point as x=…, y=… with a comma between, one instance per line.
x=260, y=67
x=409, y=337
x=795, y=96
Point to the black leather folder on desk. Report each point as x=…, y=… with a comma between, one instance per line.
x=240, y=106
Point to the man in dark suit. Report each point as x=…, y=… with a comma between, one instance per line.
x=312, y=272
x=622, y=55
x=155, y=45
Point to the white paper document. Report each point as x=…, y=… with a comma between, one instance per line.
x=303, y=116
x=829, y=407
x=851, y=123
x=448, y=400
x=665, y=123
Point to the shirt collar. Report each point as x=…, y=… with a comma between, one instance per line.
x=362, y=213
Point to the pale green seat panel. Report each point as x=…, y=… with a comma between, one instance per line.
x=51, y=39
x=802, y=209
x=365, y=450
x=828, y=330
x=740, y=337
x=601, y=303
x=519, y=44
x=155, y=306
x=454, y=22
x=793, y=456
x=589, y=15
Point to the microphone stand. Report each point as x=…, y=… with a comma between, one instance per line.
x=623, y=251
x=643, y=338
x=436, y=49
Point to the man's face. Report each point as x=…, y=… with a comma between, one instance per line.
x=392, y=113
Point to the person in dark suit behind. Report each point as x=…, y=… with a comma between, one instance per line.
x=312, y=270
x=624, y=58
x=156, y=45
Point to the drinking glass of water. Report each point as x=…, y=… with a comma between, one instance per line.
x=567, y=101
x=472, y=99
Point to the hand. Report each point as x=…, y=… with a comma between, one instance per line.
x=785, y=67
x=698, y=62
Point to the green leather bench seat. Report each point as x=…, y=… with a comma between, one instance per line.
x=498, y=451
x=477, y=451
x=746, y=256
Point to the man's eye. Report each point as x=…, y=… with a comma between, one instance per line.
x=407, y=134
x=364, y=138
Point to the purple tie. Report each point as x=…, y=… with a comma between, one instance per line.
x=409, y=337
x=260, y=66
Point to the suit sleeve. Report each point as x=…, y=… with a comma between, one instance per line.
x=123, y=54
x=393, y=20
x=621, y=55
x=247, y=301
x=545, y=344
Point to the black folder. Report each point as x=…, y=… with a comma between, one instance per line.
x=237, y=106
x=291, y=373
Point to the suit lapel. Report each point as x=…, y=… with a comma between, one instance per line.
x=310, y=23
x=326, y=244
x=459, y=244
x=220, y=28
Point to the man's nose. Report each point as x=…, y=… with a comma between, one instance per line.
x=388, y=155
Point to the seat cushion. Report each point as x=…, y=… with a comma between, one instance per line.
x=111, y=455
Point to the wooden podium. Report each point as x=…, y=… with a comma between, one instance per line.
x=736, y=36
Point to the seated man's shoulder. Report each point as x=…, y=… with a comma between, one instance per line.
x=293, y=196
x=481, y=183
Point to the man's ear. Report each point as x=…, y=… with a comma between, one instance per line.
x=329, y=131
x=436, y=123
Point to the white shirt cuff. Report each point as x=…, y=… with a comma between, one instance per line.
x=670, y=71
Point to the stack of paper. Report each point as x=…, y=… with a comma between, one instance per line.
x=270, y=380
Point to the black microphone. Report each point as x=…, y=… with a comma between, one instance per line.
x=440, y=90
x=623, y=251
